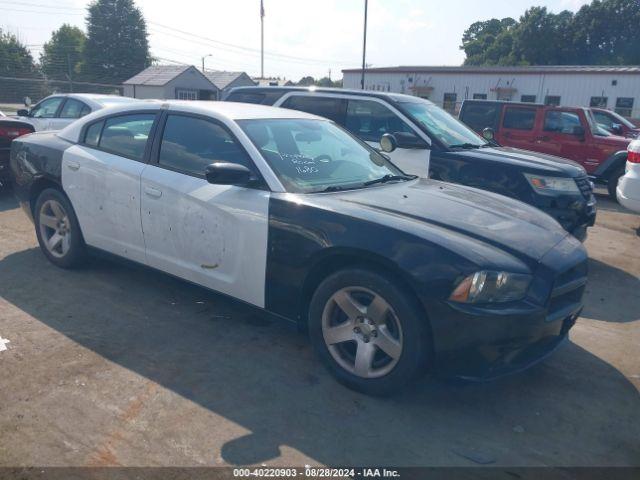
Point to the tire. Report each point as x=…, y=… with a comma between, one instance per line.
x=54, y=215
x=612, y=182
x=366, y=350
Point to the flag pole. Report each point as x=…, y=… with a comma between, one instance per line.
x=261, y=39
x=364, y=44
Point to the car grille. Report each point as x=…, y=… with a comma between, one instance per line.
x=566, y=297
x=585, y=186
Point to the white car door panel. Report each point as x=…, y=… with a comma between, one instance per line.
x=105, y=193
x=212, y=235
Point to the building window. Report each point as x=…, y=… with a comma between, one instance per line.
x=449, y=103
x=186, y=94
x=624, y=106
x=528, y=98
x=552, y=100
x=598, y=102
x=479, y=96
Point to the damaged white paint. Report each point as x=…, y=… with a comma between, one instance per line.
x=3, y=344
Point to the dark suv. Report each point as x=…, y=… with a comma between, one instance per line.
x=423, y=139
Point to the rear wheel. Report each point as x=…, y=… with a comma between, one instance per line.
x=612, y=182
x=58, y=230
x=368, y=332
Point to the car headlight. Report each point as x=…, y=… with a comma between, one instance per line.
x=552, y=185
x=488, y=286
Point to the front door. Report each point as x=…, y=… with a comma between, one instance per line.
x=212, y=235
x=101, y=176
x=560, y=136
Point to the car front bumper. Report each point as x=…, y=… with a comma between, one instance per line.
x=483, y=342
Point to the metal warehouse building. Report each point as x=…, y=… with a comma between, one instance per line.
x=613, y=87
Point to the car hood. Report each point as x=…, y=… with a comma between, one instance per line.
x=527, y=159
x=513, y=226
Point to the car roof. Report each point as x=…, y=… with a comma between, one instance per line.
x=393, y=97
x=230, y=111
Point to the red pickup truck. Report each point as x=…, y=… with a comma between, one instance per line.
x=568, y=132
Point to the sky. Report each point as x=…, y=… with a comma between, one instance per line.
x=302, y=37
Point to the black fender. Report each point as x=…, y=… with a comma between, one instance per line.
x=611, y=164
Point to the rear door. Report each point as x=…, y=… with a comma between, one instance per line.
x=212, y=235
x=71, y=110
x=517, y=127
x=101, y=176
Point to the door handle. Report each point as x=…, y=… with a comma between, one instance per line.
x=73, y=165
x=153, y=192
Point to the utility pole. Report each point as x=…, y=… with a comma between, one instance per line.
x=206, y=56
x=261, y=38
x=364, y=44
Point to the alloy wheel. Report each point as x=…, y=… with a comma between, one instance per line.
x=55, y=228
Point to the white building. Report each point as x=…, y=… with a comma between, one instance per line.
x=613, y=87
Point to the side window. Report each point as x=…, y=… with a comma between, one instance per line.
x=127, y=135
x=480, y=116
x=328, y=107
x=189, y=144
x=47, y=108
x=370, y=120
x=246, y=97
x=92, y=135
x=561, y=122
x=74, y=109
x=603, y=119
x=519, y=118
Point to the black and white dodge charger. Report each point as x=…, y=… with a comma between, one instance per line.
x=392, y=275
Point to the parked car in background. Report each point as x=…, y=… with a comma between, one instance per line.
x=567, y=132
x=10, y=129
x=428, y=139
x=629, y=185
x=615, y=123
x=57, y=111
x=393, y=275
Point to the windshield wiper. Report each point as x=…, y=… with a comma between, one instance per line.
x=465, y=145
x=389, y=178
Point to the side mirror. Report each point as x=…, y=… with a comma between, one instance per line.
x=578, y=131
x=224, y=173
x=388, y=143
x=488, y=134
x=22, y=112
x=616, y=128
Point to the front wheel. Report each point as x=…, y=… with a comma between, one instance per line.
x=58, y=230
x=369, y=333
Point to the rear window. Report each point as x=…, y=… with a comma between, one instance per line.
x=248, y=97
x=327, y=107
x=479, y=116
x=127, y=135
x=92, y=137
x=519, y=118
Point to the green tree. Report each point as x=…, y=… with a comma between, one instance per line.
x=307, y=81
x=488, y=42
x=63, y=54
x=607, y=33
x=543, y=38
x=15, y=58
x=117, y=47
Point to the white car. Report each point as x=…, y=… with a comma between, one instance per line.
x=628, y=191
x=57, y=111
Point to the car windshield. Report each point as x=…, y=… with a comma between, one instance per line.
x=445, y=128
x=311, y=155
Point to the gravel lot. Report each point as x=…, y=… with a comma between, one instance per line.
x=119, y=365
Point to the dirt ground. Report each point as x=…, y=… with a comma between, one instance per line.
x=120, y=365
